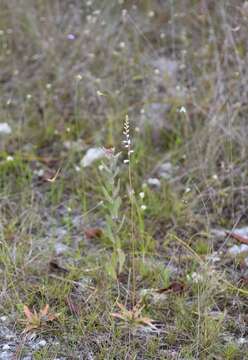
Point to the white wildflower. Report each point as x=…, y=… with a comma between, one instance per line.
x=122, y=45
x=79, y=77
x=71, y=37
x=182, y=110
x=143, y=207
x=142, y=195
x=99, y=93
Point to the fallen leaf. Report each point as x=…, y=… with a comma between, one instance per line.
x=92, y=233
x=237, y=237
x=55, y=267
x=175, y=287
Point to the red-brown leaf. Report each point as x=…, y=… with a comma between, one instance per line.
x=237, y=237
x=28, y=313
x=92, y=233
x=175, y=287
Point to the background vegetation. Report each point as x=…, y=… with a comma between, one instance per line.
x=70, y=72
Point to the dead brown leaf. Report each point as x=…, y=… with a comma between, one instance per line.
x=174, y=287
x=237, y=237
x=93, y=233
x=55, y=267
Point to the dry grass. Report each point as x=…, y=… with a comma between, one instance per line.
x=69, y=73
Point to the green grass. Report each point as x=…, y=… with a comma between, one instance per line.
x=50, y=98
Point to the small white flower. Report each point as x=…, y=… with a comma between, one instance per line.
x=182, y=110
x=101, y=167
x=187, y=190
x=29, y=96
x=126, y=161
x=143, y=207
x=9, y=158
x=142, y=195
x=151, y=14
x=71, y=37
x=39, y=172
x=99, y=93
x=124, y=13
x=69, y=209
x=195, y=277
x=77, y=168
x=156, y=72
x=5, y=128
x=79, y=77
x=97, y=12
x=215, y=177
x=48, y=86
x=122, y=45
x=68, y=129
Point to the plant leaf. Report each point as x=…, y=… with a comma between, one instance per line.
x=238, y=237
x=28, y=313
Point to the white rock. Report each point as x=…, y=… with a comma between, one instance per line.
x=5, y=128
x=154, y=182
x=40, y=344
x=242, y=341
x=6, y=347
x=92, y=155
x=238, y=249
x=6, y=355
x=61, y=248
x=166, y=170
x=222, y=232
